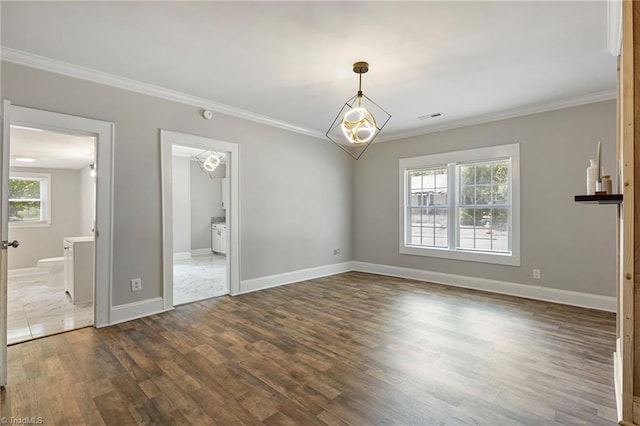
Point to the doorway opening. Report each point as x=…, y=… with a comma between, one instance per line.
x=200, y=218
x=200, y=236
x=52, y=215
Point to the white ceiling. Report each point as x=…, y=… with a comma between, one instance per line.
x=51, y=149
x=292, y=60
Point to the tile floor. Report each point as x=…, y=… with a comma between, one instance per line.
x=37, y=309
x=198, y=278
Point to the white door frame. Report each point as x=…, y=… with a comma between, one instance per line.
x=167, y=139
x=104, y=133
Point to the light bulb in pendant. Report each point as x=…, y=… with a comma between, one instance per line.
x=211, y=163
x=359, y=125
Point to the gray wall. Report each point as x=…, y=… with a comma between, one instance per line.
x=295, y=191
x=206, y=202
x=573, y=244
x=46, y=241
x=181, y=174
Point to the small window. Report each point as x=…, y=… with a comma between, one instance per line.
x=462, y=205
x=29, y=195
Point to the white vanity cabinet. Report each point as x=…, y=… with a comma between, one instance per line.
x=219, y=238
x=78, y=268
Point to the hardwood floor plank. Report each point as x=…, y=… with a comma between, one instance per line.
x=114, y=410
x=349, y=349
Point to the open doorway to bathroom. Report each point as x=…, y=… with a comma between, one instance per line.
x=52, y=210
x=200, y=233
x=200, y=217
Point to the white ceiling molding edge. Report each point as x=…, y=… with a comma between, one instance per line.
x=47, y=64
x=502, y=115
x=614, y=26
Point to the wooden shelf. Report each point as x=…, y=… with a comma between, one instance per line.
x=599, y=199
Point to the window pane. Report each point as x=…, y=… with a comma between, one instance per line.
x=429, y=227
x=483, y=194
x=24, y=211
x=428, y=187
x=24, y=188
x=500, y=193
x=501, y=172
x=27, y=197
x=467, y=195
x=440, y=231
x=483, y=173
x=427, y=236
x=466, y=228
x=467, y=175
x=499, y=228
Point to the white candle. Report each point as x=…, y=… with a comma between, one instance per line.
x=598, y=162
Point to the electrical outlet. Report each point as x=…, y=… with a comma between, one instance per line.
x=536, y=274
x=336, y=252
x=136, y=284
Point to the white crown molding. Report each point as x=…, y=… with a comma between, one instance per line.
x=502, y=115
x=51, y=65
x=614, y=26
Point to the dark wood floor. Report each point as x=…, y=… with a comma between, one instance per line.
x=354, y=349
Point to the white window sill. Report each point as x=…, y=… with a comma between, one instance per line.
x=29, y=224
x=509, y=259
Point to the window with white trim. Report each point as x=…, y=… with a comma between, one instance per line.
x=29, y=199
x=462, y=205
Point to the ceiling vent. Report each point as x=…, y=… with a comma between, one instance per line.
x=434, y=115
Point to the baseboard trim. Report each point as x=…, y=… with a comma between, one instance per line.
x=201, y=252
x=185, y=255
x=617, y=380
x=26, y=272
x=135, y=310
x=255, y=284
x=565, y=297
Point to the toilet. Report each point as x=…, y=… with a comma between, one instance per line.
x=55, y=267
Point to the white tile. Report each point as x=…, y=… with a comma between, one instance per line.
x=198, y=278
x=37, y=309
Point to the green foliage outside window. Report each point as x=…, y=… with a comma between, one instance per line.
x=484, y=186
x=24, y=200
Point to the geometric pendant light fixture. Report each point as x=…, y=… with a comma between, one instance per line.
x=359, y=121
x=208, y=161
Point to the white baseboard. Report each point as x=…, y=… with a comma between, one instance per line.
x=255, y=284
x=26, y=272
x=565, y=297
x=185, y=255
x=617, y=379
x=201, y=252
x=135, y=310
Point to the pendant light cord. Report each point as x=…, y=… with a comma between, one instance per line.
x=360, y=90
